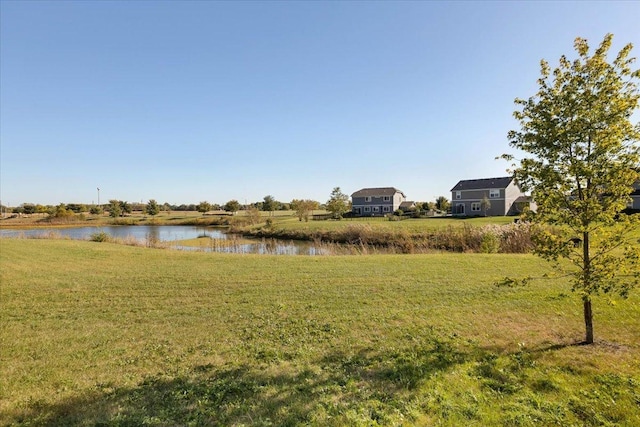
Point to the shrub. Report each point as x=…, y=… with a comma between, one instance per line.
x=99, y=237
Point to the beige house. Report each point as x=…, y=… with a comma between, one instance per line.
x=489, y=197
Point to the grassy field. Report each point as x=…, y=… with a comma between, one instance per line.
x=104, y=334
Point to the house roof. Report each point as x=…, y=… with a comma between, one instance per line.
x=371, y=192
x=407, y=204
x=481, y=184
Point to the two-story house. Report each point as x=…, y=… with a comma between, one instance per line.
x=488, y=196
x=376, y=201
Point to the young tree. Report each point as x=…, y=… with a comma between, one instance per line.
x=152, y=208
x=442, y=204
x=232, y=206
x=485, y=204
x=114, y=208
x=125, y=207
x=581, y=158
x=304, y=208
x=270, y=204
x=204, y=207
x=338, y=204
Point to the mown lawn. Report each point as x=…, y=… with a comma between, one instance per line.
x=104, y=334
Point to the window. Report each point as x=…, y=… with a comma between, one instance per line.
x=494, y=193
x=376, y=209
x=460, y=209
x=458, y=195
x=387, y=198
x=475, y=206
x=386, y=209
x=367, y=198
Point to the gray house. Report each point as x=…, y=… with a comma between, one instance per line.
x=376, y=201
x=488, y=196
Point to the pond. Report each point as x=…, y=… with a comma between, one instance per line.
x=219, y=241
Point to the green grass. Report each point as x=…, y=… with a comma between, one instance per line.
x=413, y=225
x=104, y=334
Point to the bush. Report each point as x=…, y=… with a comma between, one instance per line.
x=99, y=237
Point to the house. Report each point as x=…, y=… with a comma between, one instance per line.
x=488, y=197
x=407, y=206
x=376, y=201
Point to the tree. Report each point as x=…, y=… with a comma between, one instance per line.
x=125, y=207
x=270, y=204
x=485, y=204
x=304, y=208
x=204, y=207
x=152, y=208
x=581, y=158
x=232, y=206
x=442, y=204
x=253, y=215
x=338, y=203
x=114, y=208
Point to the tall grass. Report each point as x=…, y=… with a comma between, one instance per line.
x=510, y=238
x=103, y=334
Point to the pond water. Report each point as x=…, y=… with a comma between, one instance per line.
x=219, y=241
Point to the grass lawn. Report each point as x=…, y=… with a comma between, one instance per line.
x=413, y=225
x=105, y=334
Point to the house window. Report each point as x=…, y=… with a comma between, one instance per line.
x=367, y=199
x=386, y=209
x=458, y=195
x=376, y=209
x=494, y=193
x=367, y=208
x=387, y=198
x=475, y=206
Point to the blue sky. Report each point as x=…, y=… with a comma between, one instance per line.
x=183, y=101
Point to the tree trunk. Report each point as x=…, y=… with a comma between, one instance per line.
x=588, y=321
x=588, y=314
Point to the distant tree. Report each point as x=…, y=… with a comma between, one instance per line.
x=485, y=204
x=114, y=208
x=204, y=207
x=338, y=203
x=61, y=211
x=95, y=210
x=232, y=206
x=304, y=208
x=152, y=208
x=28, y=208
x=253, y=214
x=77, y=207
x=442, y=204
x=166, y=207
x=125, y=207
x=580, y=157
x=270, y=204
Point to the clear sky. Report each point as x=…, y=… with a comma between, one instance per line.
x=183, y=102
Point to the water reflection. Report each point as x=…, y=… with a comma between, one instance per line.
x=153, y=235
